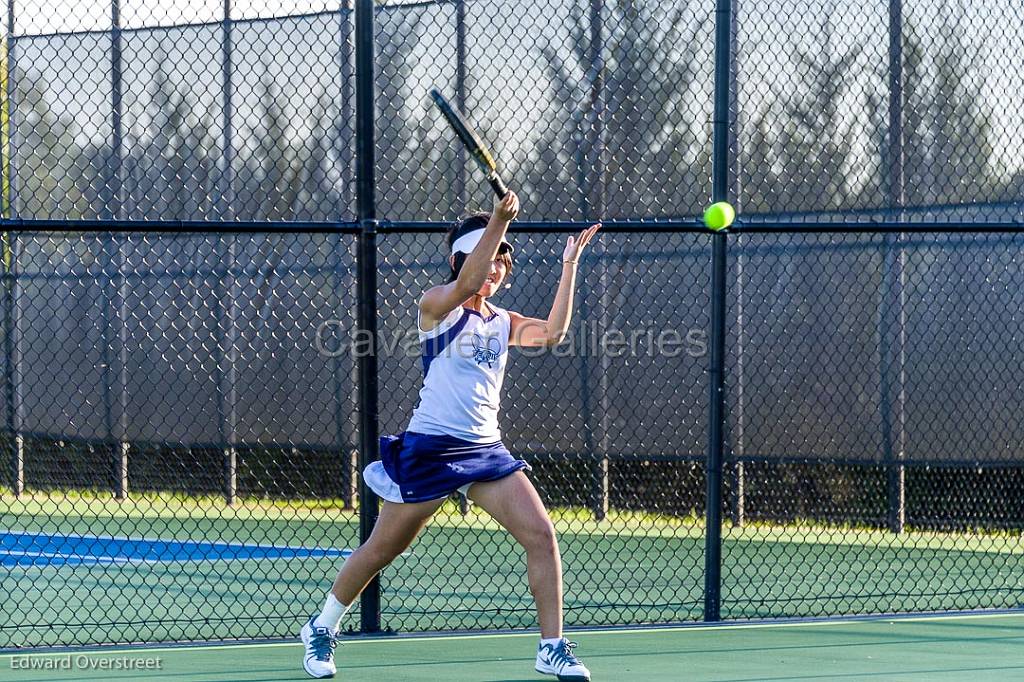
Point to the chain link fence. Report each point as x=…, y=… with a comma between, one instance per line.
x=193, y=235
x=869, y=386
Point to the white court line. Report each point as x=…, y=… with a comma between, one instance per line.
x=69, y=558
x=391, y=640
x=215, y=543
x=89, y=557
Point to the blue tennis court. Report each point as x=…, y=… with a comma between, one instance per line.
x=40, y=549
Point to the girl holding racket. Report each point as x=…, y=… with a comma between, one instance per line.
x=453, y=442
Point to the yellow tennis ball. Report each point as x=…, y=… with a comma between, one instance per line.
x=719, y=216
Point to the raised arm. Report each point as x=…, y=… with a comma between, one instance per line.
x=441, y=300
x=535, y=332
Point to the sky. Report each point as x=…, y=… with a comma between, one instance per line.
x=767, y=32
x=54, y=16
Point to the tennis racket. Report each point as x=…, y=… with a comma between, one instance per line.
x=472, y=141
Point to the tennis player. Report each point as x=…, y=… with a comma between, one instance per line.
x=453, y=442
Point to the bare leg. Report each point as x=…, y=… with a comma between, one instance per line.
x=515, y=504
x=397, y=526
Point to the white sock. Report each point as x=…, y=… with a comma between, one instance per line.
x=550, y=642
x=332, y=614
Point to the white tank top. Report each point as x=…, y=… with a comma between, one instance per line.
x=463, y=369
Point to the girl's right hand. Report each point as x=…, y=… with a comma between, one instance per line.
x=508, y=208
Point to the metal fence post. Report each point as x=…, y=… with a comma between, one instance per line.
x=892, y=346
x=460, y=152
x=115, y=363
x=10, y=188
x=228, y=372
x=227, y=115
x=116, y=211
x=347, y=400
x=716, y=417
x=893, y=313
x=594, y=194
x=460, y=98
x=11, y=376
x=737, y=441
x=340, y=369
x=116, y=104
x=347, y=105
x=716, y=407
x=366, y=323
x=6, y=148
x=230, y=475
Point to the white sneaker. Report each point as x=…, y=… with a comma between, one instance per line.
x=559, y=660
x=318, y=660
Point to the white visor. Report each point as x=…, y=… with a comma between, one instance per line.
x=467, y=242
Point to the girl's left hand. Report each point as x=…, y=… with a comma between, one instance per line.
x=575, y=245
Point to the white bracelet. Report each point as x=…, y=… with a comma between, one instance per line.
x=566, y=262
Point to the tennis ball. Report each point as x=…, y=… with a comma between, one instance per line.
x=719, y=216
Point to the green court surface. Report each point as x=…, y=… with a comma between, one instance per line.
x=464, y=573
x=975, y=647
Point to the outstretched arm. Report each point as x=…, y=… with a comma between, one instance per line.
x=534, y=332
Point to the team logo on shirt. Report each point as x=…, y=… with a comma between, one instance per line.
x=486, y=350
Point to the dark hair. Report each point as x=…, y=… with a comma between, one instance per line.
x=467, y=223
x=471, y=221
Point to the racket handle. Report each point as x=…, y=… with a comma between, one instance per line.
x=498, y=185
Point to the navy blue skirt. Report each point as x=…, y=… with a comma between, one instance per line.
x=416, y=467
